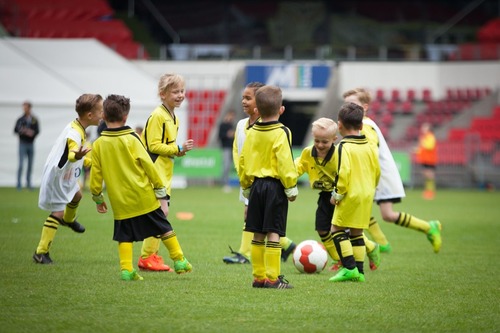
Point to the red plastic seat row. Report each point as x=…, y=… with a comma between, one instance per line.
x=106, y=31
x=451, y=153
x=60, y=9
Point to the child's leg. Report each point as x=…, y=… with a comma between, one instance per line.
x=346, y=254
x=48, y=233
x=287, y=247
x=69, y=216
x=71, y=208
x=246, y=244
x=327, y=240
x=344, y=249
x=432, y=228
x=181, y=265
x=128, y=273
x=272, y=260
x=149, y=247
x=373, y=253
x=125, y=254
x=258, y=260
x=172, y=244
x=359, y=251
x=377, y=234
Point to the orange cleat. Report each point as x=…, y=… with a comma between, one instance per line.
x=153, y=263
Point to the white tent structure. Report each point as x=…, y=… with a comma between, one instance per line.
x=52, y=74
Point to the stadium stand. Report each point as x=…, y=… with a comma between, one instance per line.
x=203, y=110
x=68, y=19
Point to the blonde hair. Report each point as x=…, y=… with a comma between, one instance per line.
x=362, y=94
x=169, y=80
x=325, y=124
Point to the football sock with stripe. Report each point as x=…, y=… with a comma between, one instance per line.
x=48, y=233
x=412, y=222
x=359, y=251
x=245, y=246
x=172, y=244
x=70, y=211
x=257, y=259
x=327, y=241
x=344, y=249
x=376, y=232
x=273, y=260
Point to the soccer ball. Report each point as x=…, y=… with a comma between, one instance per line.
x=310, y=257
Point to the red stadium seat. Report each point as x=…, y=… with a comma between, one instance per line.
x=411, y=95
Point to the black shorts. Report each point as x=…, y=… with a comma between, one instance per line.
x=136, y=229
x=324, y=212
x=267, y=207
x=393, y=200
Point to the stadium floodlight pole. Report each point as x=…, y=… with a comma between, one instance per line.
x=454, y=20
x=162, y=21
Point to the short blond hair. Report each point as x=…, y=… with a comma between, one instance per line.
x=325, y=124
x=169, y=80
x=362, y=94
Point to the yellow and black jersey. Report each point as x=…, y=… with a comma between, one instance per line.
x=267, y=152
x=321, y=171
x=159, y=137
x=358, y=174
x=120, y=160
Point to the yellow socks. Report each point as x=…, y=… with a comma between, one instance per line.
x=48, y=233
x=412, y=222
x=377, y=234
x=257, y=259
x=150, y=246
x=273, y=260
x=369, y=245
x=245, y=246
x=174, y=248
x=344, y=249
x=70, y=211
x=359, y=251
x=327, y=241
x=285, y=242
x=125, y=255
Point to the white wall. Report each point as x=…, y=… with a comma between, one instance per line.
x=419, y=75
x=53, y=73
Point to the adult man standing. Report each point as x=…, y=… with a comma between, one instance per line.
x=27, y=127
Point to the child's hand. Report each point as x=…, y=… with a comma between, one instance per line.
x=80, y=153
x=102, y=208
x=188, y=145
x=292, y=198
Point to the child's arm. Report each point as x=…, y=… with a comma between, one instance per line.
x=149, y=168
x=155, y=133
x=96, y=181
x=344, y=175
x=76, y=152
x=287, y=169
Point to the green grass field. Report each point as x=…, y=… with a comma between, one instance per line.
x=414, y=290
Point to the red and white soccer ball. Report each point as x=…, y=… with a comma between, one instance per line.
x=310, y=257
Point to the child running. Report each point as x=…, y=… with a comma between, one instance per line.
x=60, y=192
x=390, y=189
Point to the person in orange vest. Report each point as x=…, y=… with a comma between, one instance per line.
x=426, y=156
